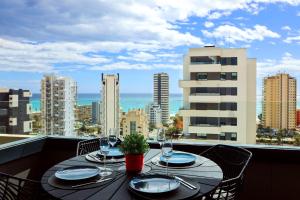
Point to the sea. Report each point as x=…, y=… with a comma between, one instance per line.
x=134, y=101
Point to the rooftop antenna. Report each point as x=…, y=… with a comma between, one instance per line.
x=226, y=41
x=215, y=41
x=229, y=40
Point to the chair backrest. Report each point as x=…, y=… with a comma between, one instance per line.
x=88, y=146
x=14, y=188
x=233, y=162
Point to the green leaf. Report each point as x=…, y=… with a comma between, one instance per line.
x=134, y=144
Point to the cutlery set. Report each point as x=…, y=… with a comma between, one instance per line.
x=92, y=182
x=185, y=183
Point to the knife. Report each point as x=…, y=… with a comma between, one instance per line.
x=95, y=158
x=89, y=183
x=186, y=185
x=185, y=182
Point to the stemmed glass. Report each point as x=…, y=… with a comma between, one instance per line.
x=167, y=151
x=112, y=140
x=104, y=148
x=161, y=137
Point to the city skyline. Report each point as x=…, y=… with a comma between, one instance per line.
x=143, y=40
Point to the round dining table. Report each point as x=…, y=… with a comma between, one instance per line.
x=207, y=175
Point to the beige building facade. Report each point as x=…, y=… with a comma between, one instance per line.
x=110, y=104
x=279, y=103
x=219, y=95
x=135, y=121
x=83, y=113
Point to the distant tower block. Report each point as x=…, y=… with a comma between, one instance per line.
x=110, y=104
x=161, y=94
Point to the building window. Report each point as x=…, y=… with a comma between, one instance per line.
x=234, y=76
x=3, y=112
x=202, y=76
x=228, y=121
x=228, y=106
x=222, y=136
x=201, y=135
x=229, y=61
x=228, y=91
x=228, y=136
x=205, y=59
x=233, y=136
x=214, y=90
x=223, y=76
x=132, y=127
x=213, y=136
x=3, y=129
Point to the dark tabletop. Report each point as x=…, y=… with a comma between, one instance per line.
x=208, y=175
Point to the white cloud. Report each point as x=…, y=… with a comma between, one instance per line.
x=76, y=33
x=286, y=28
x=286, y=64
x=217, y=15
x=138, y=56
x=292, y=39
x=15, y=84
x=92, y=20
x=181, y=10
x=241, y=18
x=135, y=66
x=209, y=24
x=67, y=56
x=114, y=20
x=28, y=57
x=232, y=34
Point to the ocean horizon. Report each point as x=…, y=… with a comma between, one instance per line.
x=133, y=101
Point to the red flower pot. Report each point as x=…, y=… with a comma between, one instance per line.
x=134, y=162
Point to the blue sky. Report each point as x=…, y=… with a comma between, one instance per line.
x=82, y=39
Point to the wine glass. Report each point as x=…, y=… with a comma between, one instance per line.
x=167, y=151
x=104, y=148
x=161, y=137
x=112, y=140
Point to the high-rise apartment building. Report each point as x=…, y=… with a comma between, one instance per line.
x=58, y=100
x=161, y=94
x=279, y=103
x=110, y=104
x=135, y=121
x=15, y=111
x=96, y=112
x=298, y=117
x=219, y=94
x=154, y=114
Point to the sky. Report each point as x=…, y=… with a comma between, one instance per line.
x=137, y=38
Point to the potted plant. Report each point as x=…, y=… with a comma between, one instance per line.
x=134, y=146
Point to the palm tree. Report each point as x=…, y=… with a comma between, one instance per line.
x=279, y=136
x=297, y=140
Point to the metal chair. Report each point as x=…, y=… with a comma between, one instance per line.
x=88, y=146
x=14, y=188
x=233, y=162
